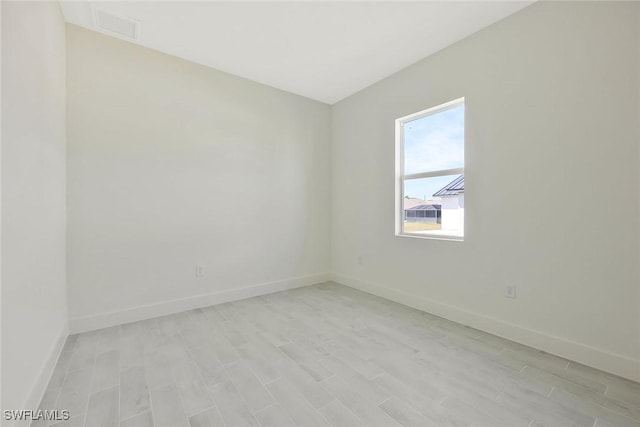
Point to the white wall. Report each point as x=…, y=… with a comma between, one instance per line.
x=171, y=164
x=551, y=100
x=453, y=213
x=34, y=310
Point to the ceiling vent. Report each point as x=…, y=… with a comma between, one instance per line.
x=117, y=25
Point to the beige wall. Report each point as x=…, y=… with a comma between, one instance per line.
x=552, y=132
x=172, y=164
x=34, y=310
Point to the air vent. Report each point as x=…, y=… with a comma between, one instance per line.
x=118, y=25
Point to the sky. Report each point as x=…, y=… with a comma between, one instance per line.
x=433, y=143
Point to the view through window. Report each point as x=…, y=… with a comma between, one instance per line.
x=430, y=172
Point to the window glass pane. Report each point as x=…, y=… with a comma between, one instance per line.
x=434, y=142
x=434, y=205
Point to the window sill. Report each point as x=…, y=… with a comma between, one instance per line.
x=432, y=236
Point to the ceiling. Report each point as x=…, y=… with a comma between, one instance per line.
x=322, y=50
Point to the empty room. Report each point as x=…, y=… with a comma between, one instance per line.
x=320, y=213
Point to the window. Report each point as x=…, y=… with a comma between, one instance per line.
x=430, y=172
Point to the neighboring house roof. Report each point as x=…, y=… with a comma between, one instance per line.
x=411, y=202
x=453, y=188
x=425, y=208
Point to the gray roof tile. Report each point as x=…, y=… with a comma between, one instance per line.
x=453, y=188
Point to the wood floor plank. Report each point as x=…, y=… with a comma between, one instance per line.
x=168, y=326
x=274, y=416
x=324, y=355
x=544, y=410
x=157, y=369
x=362, y=366
x=109, y=339
x=373, y=392
x=625, y=393
x=80, y=360
x=557, y=379
x=192, y=389
x=134, y=393
x=602, y=377
x=298, y=408
x=409, y=373
x=209, y=418
x=234, y=410
x=103, y=408
x=131, y=355
x=603, y=423
x=339, y=416
x=60, y=371
x=77, y=421
x=144, y=419
x=304, y=383
x=359, y=402
x=87, y=342
x=106, y=371
x=167, y=407
x=70, y=343
x=597, y=406
x=263, y=369
x=74, y=394
x=406, y=415
x=307, y=361
x=481, y=414
x=207, y=362
x=248, y=385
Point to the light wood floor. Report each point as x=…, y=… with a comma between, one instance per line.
x=324, y=355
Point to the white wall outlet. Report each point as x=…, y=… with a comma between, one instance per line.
x=360, y=260
x=510, y=291
x=199, y=271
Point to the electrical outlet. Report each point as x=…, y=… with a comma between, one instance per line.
x=199, y=271
x=510, y=291
x=360, y=260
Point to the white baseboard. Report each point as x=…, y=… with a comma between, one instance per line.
x=103, y=320
x=597, y=358
x=44, y=376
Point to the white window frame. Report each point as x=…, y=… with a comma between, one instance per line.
x=401, y=177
